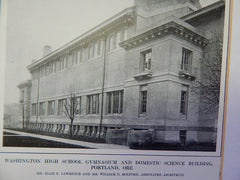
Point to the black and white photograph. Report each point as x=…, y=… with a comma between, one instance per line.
x=137, y=75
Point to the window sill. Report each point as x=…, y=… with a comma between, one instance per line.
x=143, y=75
x=143, y=115
x=186, y=75
x=183, y=117
x=116, y=114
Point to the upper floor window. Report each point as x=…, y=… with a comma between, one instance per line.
x=115, y=102
x=116, y=38
x=186, y=64
x=112, y=42
x=93, y=104
x=70, y=60
x=146, y=60
x=91, y=51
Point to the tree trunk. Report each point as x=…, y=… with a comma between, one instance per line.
x=71, y=128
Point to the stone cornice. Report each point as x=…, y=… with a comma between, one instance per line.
x=126, y=17
x=172, y=27
x=24, y=84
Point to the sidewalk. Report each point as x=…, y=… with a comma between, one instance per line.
x=67, y=141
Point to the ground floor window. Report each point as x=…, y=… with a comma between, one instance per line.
x=93, y=104
x=183, y=136
x=51, y=108
x=77, y=105
x=184, y=101
x=34, y=109
x=61, y=107
x=42, y=108
x=115, y=102
x=143, y=99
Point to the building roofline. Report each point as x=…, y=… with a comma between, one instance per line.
x=83, y=36
x=204, y=10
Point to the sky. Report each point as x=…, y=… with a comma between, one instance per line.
x=31, y=24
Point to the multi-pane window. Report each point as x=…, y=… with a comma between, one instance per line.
x=115, y=102
x=93, y=104
x=116, y=38
x=184, y=100
x=186, y=64
x=47, y=70
x=146, y=59
x=143, y=102
x=50, y=68
x=79, y=56
x=70, y=63
x=183, y=136
x=112, y=42
x=91, y=51
x=125, y=34
x=51, y=108
x=65, y=62
x=100, y=49
x=77, y=105
x=34, y=109
x=61, y=107
x=42, y=108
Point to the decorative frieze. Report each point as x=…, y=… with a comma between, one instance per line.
x=163, y=30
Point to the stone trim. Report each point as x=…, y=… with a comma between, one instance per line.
x=171, y=27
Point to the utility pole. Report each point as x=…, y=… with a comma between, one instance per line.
x=103, y=83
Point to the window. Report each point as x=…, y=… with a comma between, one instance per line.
x=61, y=107
x=54, y=66
x=183, y=136
x=112, y=42
x=96, y=48
x=47, y=70
x=186, y=60
x=74, y=58
x=78, y=105
x=146, y=58
x=42, y=108
x=118, y=38
x=125, y=34
x=34, y=109
x=93, y=104
x=115, y=102
x=70, y=63
x=51, y=108
x=184, y=101
x=79, y=56
x=91, y=51
x=65, y=62
x=50, y=68
x=143, y=100
x=100, y=49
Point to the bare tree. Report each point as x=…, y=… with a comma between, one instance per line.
x=208, y=86
x=71, y=108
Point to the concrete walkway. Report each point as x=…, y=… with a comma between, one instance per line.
x=67, y=141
